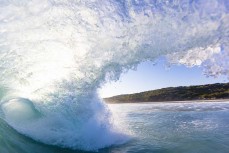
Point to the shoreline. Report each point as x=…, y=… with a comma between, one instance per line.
x=183, y=101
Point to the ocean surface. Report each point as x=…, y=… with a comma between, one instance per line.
x=152, y=128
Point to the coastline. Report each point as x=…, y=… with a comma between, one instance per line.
x=182, y=94
x=184, y=101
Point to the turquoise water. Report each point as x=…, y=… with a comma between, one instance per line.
x=154, y=128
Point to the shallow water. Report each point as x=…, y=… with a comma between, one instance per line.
x=154, y=128
x=178, y=127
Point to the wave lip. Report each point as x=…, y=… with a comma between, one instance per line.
x=19, y=110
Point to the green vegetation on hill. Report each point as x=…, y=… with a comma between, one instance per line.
x=200, y=92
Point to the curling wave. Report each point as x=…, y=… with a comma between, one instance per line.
x=55, y=54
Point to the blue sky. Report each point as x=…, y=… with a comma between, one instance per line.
x=149, y=76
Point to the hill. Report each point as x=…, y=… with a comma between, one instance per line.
x=182, y=93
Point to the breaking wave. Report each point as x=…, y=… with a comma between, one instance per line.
x=55, y=54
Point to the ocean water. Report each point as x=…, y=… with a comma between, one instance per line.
x=56, y=54
x=153, y=128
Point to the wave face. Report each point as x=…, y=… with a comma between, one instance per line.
x=55, y=54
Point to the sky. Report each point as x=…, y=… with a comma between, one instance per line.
x=149, y=76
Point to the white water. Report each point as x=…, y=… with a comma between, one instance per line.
x=55, y=54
